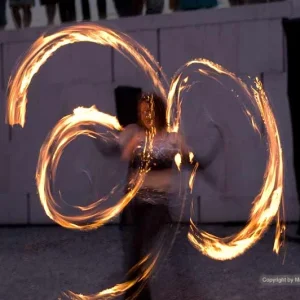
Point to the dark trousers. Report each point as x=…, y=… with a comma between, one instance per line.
x=67, y=11
x=3, y=20
x=129, y=8
x=148, y=223
x=154, y=7
x=86, y=12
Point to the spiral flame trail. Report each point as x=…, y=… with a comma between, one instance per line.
x=45, y=46
x=266, y=204
x=68, y=128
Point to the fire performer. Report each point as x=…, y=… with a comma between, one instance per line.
x=148, y=212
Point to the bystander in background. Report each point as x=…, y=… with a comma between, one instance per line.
x=154, y=6
x=129, y=8
x=197, y=4
x=21, y=20
x=50, y=7
x=67, y=11
x=86, y=12
x=3, y=20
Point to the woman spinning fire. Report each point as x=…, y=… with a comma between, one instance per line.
x=148, y=212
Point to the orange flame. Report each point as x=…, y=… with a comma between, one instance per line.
x=69, y=127
x=66, y=130
x=121, y=288
x=265, y=206
x=46, y=46
x=192, y=177
x=267, y=203
x=178, y=160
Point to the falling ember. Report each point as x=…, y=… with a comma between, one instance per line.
x=253, y=122
x=191, y=157
x=177, y=159
x=267, y=204
x=192, y=177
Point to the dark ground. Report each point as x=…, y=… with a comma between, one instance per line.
x=38, y=263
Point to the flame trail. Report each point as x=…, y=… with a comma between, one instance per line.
x=267, y=204
x=68, y=128
x=45, y=46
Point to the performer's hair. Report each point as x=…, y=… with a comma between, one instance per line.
x=160, y=110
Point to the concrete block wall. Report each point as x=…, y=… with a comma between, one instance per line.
x=247, y=40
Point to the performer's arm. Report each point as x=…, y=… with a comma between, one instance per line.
x=120, y=144
x=107, y=144
x=202, y=162
x=205, y=161
x=129, y=147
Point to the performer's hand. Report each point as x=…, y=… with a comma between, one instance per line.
x=106, y=143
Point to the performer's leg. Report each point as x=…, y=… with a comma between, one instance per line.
x=149, y=221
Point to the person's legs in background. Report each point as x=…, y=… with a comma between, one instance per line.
x=67, y=11
x=120, y=7
x=154, y=6
x=3, y=20
x=129, y=8
x=244, y=2
x=72, y=10
x=186, y=5
x=235, y=2
x=86, y=12
x=51, y=11
x=174, y=5
x=137, y=7
x=16, y=14
x=50, y=7
x=27, y=16
x=16, y=7
x=62, y=11
x=102, y=12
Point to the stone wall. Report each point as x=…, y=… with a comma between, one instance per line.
x=247, y=40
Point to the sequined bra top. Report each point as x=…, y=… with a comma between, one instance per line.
x=162, y=156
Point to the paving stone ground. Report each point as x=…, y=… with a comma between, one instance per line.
x=39, y=263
